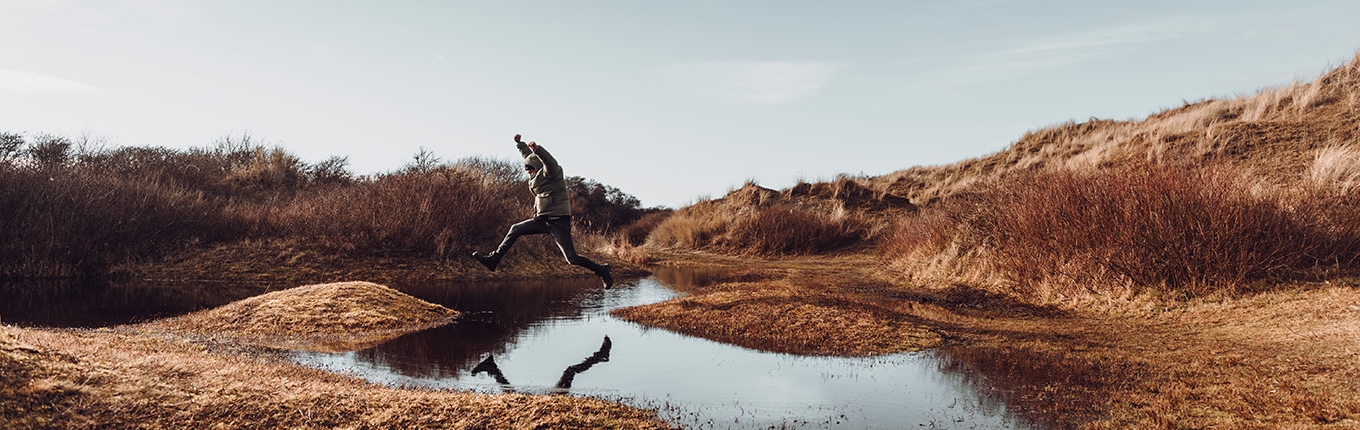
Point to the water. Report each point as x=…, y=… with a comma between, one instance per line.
x=540, y=333
x=548, y=337
x=88, y=304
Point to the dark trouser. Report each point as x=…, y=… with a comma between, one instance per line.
x=559, y=227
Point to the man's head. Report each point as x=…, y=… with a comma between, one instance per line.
x=532, y=163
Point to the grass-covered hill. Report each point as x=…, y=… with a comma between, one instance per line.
x=1276, y=134
x=1221, y=195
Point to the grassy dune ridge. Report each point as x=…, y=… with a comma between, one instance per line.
x=1216, y=196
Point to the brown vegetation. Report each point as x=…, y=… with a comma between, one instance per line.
x=1222, y=196
x=75, y=379
x=804, y=219
x=76, y=209
x=341, y=316
x=782, y=320
x=1273, y=134
x=1164, y=229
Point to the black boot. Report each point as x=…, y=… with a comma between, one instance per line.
x=490, y=261
x=606, y=274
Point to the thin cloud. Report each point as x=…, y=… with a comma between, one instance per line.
x=21, y=82
x=1066, y=50
x=754, y=82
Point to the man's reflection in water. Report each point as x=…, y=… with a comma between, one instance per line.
x=563, y=384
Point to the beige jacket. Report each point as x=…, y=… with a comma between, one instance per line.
x=549, y=186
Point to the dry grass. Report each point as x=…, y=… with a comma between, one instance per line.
x=1167, y=230
x=72, y=379
x=809, y=305
x=786, y=321
x=1272, y=133
x=341, y=316
x=802, y=220
x=140, y=207
x=1338, y=168
x=1281, y=359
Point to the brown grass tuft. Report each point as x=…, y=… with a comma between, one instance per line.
x=802, y=220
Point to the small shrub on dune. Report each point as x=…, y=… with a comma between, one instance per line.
x=635, y=234
x=783, y=230
x=693, y=227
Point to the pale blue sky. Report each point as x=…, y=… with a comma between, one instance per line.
x=668, y=101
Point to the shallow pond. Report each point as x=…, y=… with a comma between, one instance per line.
x=558, y=337
x=550, y=337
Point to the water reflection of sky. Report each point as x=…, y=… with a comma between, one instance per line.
x=546, y=327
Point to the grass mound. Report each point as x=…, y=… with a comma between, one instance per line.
x=337, y=316
x=788, y=322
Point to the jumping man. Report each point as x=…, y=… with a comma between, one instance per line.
x=552, y=212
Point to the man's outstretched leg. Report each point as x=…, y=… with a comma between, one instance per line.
x=560, y=229
x=529, y=226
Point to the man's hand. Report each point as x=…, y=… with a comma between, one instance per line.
x=533, y=146
x=517, y=139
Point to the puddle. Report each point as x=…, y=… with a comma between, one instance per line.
x=68, y=303
x=540, y=334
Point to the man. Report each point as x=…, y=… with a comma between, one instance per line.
x=552, y=212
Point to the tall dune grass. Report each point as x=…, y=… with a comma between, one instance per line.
x=1175, y=229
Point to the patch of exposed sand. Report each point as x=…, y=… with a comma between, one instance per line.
x=325, y=317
